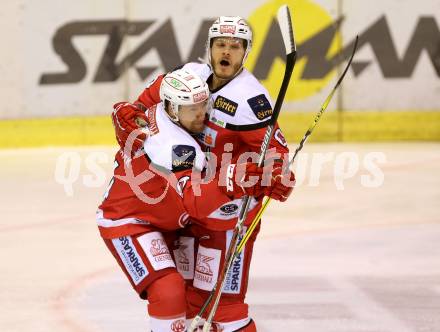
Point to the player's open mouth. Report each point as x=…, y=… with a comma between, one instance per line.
x=224, y=63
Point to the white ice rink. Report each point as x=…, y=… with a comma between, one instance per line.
x=337, y=257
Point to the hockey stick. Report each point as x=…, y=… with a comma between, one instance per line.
x=301, y=144
x=286, y=28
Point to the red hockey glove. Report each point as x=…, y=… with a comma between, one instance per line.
x=243, y=179
x=282, y=183
x=126, y=118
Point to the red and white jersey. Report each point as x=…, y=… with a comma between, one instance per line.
x=237, y=124
x=154, y=190
x=241, y=112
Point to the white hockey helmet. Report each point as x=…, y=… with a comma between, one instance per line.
x=183, y=87
x=230, y=26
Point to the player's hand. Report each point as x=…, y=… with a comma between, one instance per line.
x=243, y=179
x=126, y=118
x=282, y=183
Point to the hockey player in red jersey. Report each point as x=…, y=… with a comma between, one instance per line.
x=143, y=205
x=152, y=195
x=235, y=127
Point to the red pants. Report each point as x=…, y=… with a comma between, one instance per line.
x=200, y=258
x=150, y=268
x=143, y=257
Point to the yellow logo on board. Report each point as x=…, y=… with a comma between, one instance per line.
x=308, y=18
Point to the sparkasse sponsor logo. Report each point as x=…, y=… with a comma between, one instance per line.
x=235, y=277
x=130, y=258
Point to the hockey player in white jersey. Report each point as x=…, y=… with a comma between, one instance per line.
x=236, y=125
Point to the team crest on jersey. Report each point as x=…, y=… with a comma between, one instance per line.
x=181, y=184
x=280, y=137
x=260, y=106
x=208, y=136
x=183, y=157
x=225, y=105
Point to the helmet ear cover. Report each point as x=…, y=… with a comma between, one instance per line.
x=166, y=104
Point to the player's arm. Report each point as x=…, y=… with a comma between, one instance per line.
x=127, y=117
x=201, y=198
x=277, y=159
x=254, y=138
x=151, y=94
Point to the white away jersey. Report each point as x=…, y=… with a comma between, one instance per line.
x=243, y=101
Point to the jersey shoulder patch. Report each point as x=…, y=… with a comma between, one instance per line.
x=261, y=107
x=182, y=157
x=225, y=105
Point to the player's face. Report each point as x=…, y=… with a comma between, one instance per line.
x=192, y=117
x=226, y=56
